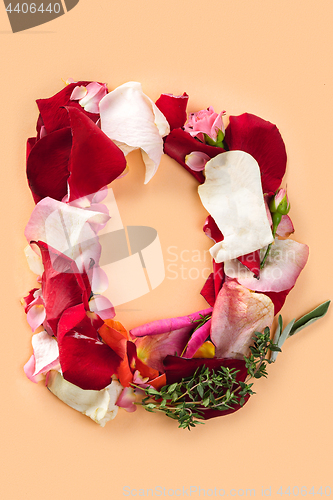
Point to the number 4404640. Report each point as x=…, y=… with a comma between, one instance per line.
x=303, y=491
x=32, y=8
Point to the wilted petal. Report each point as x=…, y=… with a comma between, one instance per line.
x=280, y=272
x=133, y=121
x=100, y=406
x=233, y=196
x=248, y=312
x=262, y=140
x=286, y=227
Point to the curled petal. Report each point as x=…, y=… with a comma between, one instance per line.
x=34, y=261
x=233, y=196
x=29, y=370
x=178, y=144
x=36, y=315
x=198, y=337
x=133, y=121
x=262, y=140
x=196, y=160
x=284, y=264
x=100, y=406
x=247, y=312
x=173, y=108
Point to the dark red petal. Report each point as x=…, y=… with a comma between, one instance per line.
x=85, y=360
x=178, y=144
x=53, y=115
x=62, y=285
x=211, y=230
x=173, y=108
x=262, y=140
x=47, y=165
x=208, y=290
x=278, y=299
x=252, y=262
x=219, y=276
x=26, y=301
x=95, y=160
x=177, y=368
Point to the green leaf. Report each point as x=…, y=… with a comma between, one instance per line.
x=283, y=337
x=310, y=318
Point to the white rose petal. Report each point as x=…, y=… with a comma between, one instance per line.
x=133, y=121
x=232, y=194
x=100, y=406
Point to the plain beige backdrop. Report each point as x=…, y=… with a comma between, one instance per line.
x=270, y=58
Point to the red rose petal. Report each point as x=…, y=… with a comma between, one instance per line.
x=62, y=285
x=262, y=140
x=174, y=109
x=95, y=160
x=252, y=262
x=278, y=299
x=47, y=165
x=178, y=144
x=208, y=290
x=52, y=111
x=211, y=230
x=85, y=360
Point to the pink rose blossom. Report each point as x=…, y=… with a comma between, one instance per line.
x=206, y=122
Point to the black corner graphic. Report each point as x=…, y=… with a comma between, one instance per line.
x=26, y=15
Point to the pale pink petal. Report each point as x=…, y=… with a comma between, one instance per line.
x=95, y=92
x=29, y=370
x=127, y=399
x=284, y=264
x=196, y=160
x=102, y=306
x=46, y=352
x=286, y=227
x=36, y=315
x=78, y=93
x=100, y=280
x=238, y=313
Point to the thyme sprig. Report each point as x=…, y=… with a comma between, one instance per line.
x=188, y=400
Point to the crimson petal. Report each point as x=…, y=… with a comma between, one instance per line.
x=252, y=262
x=53, y=115
x=85, y=360
x=95, y=160
x=47, y=165
x=262, y=140
x=179, y=143
x=174, y=109
x=62, y=284
x=278, y=299
x=177, y=368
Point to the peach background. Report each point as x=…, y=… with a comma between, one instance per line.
x=270, y=58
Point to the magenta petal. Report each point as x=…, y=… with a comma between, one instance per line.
x=197, y=339
x=178, y=368
x=85, y=360
x=95, y=160
x=174, y=108
x=178, y=144
x=170, y=324
x=47, y=165
x=262, y=140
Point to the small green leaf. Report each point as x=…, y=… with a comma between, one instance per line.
x=310, y=318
